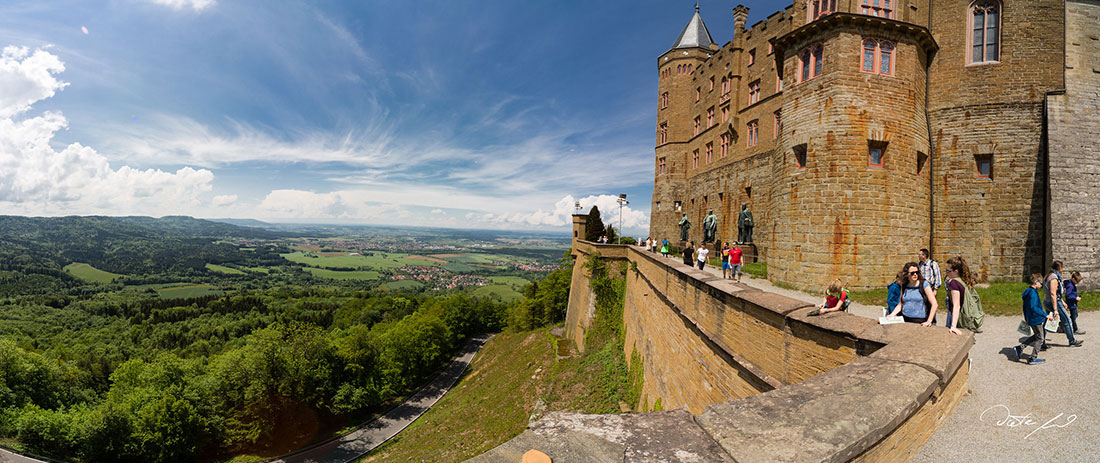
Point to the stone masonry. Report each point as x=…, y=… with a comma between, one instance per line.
x=736, y=123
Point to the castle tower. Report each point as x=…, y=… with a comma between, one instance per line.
x=677, y=92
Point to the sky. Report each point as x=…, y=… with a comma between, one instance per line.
x=451, y=113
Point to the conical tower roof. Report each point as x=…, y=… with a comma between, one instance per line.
x=695, y=35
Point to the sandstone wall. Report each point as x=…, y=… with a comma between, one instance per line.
x=1074, y=161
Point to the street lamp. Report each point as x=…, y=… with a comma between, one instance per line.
x=622, y=202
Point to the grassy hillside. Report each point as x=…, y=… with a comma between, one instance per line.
x=88, y=273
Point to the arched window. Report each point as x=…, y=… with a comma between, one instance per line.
x=984, y=39
x=877, y=57
x=810, y=62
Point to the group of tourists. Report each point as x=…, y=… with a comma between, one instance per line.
x=1059, y=304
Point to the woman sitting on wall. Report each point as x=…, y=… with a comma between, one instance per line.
x=918, y=302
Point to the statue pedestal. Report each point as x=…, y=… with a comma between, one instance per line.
x=748, y=253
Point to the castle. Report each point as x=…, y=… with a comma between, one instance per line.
x=860, y=131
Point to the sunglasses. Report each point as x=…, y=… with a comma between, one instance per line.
x=915, y=272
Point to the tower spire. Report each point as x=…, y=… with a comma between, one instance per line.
x=695, y=34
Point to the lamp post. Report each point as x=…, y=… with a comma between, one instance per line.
x=622, y=202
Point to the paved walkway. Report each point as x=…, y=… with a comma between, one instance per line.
x=369, y=437
x=1015, y=412
x=9, y=457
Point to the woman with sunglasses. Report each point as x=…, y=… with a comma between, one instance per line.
x=918, y=302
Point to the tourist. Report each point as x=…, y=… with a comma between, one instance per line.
x=736, y=263
x=648, y=244
x=1035, y=318
x=1054, y=303
x=959, y=280
x=1072, y=299
x=893, y=293
x=725, y=257
x=689, y=256
x=930, y=269
x=664, y=247
x=918, y=302
x=701, y=255
x=835, y=298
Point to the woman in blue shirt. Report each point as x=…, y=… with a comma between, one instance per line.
x=918, y=302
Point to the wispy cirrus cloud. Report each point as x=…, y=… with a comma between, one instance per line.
x=196, y=5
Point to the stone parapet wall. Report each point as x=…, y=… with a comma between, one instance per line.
x=833, y=388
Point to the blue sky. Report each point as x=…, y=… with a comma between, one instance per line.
x=488, y=114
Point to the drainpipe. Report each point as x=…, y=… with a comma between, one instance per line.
x=931, y=148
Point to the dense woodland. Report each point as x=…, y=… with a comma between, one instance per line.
x=90, y=373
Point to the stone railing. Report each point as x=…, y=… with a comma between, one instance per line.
x=751, y=377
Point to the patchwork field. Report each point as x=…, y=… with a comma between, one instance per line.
x=379, y=260
x=88, y=273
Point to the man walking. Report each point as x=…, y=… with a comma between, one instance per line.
x=931, y=270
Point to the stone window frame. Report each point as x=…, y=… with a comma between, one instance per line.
x=753, y=133
x=987, y=7
x=678, y=205
x=710, y=152
x=698, y=122
x=778, y=81
x=711, y=84
x=662, y=165
x=878, y=8
x=878, y=48
x=725, y=113
x=752, y=57
x=726, y=85
x=710, y=117
x=662, y=133
x=817, y=9
x=987, y=159
x=801, y=158
x=695, y=159
x=664, y=100
x=778, y=121
x=811, y=62
x=724, y=147
x=754, y=92
x=872, y=147
x=698, y=94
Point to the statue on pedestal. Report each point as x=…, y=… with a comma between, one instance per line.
x=710, y=227
x=744, y=225
x=685, y=225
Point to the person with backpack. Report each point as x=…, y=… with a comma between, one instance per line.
x=964, y=307
x=664, y=247
x=918, y=302
x=1035, y=317
x=836, y=299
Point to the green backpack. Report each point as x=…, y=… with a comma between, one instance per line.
x=971, y=315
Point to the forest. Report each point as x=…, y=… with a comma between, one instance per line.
x=89, y=372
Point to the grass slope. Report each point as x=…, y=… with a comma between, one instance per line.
x=88, y=273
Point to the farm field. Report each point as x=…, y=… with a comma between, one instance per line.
x=344, y=274
x=223, y=269
x=401, y=284
x=505, y=292
x=380, y=260
x=88, y=273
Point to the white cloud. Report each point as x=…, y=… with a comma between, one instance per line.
x=36, y=179
x=223, y=200
x=563, y=210
x=27, y=77
x=439, y=211
x=197, y=5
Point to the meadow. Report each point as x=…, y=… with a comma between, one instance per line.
x=88, y=273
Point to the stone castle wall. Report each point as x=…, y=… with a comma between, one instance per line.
x=1074, y=160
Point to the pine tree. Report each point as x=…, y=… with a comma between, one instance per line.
x=595, y=227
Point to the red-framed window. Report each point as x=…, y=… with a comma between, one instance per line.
x=710, y=117
x=725, y=114
x=698, y=93
x=878, y=57
x=811, y=62
x=818, y=8
x=753, y=133
x=754, y=92
x=695, y=159
x=712, y=83
x=697, y=123
x=876, y=153
x=984, y=163
x=752, y=57
x=725, y=86
x=724, y=148
x=984, y=38
x=771, y=48
x=662, y=166
x=880, y=8
x=710, y=152
x=778, y=122
x=664, y=100
x=662, y=133
x=800, y=157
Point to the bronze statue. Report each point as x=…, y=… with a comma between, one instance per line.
x=685, y=225
x=710, y=227
x=744, y=225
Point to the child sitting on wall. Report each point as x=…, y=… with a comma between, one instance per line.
x=1035, y=317
x=835, y=298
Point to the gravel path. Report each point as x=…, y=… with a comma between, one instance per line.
x=1014, y=412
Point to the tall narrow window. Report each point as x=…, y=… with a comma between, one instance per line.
x=805, y=62
x=778, y=82
x=711, y=83
x=800, y=157
x=662, y=133
x=697, y=122
x=811, y=62
x=710, y=117
x=710, y=152
x=985, y=166
x=725, y=85
x=880, y=8
x=695, y=159
x=664, y=100
x=921, y=160
x=819, y=57
x=778, y=122
x=878, y=57
x=752, y=57
x=726, y=114
x=985, y=36
x=754, y=92
x=753, y=132
x=662, y=165
x=724, y=148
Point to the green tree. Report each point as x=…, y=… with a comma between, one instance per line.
x=595, y=227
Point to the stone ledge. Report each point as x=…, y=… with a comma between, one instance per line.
x=936, y=350
x=825, y=418
x=646, y=437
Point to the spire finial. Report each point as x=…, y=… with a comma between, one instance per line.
x=696, y=7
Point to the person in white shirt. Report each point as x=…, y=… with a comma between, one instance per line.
x=702, y=255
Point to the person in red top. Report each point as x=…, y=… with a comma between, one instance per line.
x=735, y=263
x=834, y=298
